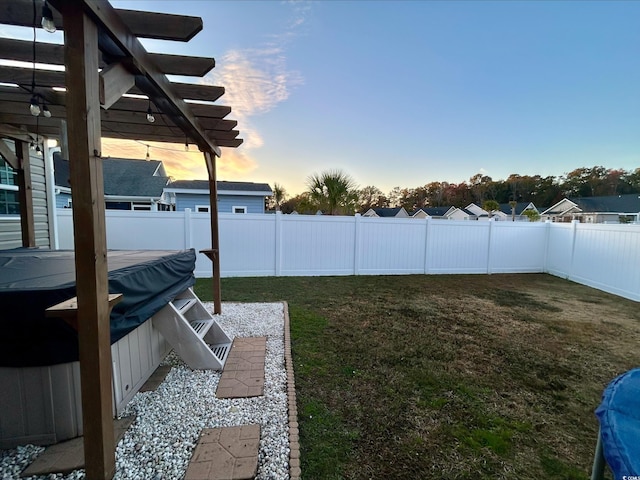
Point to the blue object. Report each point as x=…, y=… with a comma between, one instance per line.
x=619, y=416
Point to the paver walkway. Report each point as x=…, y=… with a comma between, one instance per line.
x=243, y=373
x=229, y=453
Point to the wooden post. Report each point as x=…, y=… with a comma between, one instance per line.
x=215, y=240
x=23, y=176
x=87, y=190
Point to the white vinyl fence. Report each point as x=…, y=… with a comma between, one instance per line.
x=606, y=257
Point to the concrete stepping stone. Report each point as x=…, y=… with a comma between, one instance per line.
x=65, y=457
x=229, y=453
x=243, y=373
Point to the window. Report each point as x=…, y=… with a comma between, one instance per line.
x=202, y=208
x=9, y=199
x=7, y=174
x=141, y=206
x=239, y=209
x=9, y=202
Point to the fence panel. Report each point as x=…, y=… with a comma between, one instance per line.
x=458, y=246
x=559, y=249
x=607, y=257
x=315, y=245
x=517, y=247
x=391, y=246
x=132, y=230
x=247, y=243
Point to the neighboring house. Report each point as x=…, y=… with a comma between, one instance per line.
x=504, y=213
x=233, y=197
x=433, y=212
x=608, y=209
x=520, y=208
x=461, y=214
x=476, y=212
x=128, y=184
x=398, y=212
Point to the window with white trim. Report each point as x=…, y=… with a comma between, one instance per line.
x=141, y=206
x=236, y=209
x=9, y=198
x=202, y=208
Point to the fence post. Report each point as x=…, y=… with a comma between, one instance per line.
x=187, y=228
x=491, y=222
x=278, y=243
x=356, y=246
x=574, y=230
x=427, y=244
x=547, y=239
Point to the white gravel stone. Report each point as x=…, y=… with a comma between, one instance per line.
x=159, y=444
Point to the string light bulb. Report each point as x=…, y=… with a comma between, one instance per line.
x=47, y=19
x=34, y=106
x=150, y=117
x=45, y=110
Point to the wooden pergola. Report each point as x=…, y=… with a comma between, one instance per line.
x=103, y=59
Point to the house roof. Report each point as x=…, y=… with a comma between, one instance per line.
x=387, y=212
x=433, y=211
x=223, y=186
x=611, y=203
x=122, y=177
x=520, y=207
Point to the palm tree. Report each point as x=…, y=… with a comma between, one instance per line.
x=333, y=191
x=279, y=195
x=513, y=204
x=491, y=206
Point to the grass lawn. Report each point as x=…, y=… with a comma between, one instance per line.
x=456, y=377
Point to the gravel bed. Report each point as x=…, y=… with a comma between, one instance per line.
x=159, y=444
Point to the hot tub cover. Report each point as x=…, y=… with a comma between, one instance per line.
x=32, y=280
x=619, y=416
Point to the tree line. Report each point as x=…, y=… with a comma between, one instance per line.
x=335, y=193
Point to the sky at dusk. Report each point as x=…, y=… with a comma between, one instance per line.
x=403, y=93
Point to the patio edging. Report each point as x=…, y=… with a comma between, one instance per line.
x=294, y=439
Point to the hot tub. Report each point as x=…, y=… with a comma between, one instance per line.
x=40, y=399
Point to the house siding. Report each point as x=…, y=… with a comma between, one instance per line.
x=254, y=204
x=10, y=228
x=227, y=202
x=62, y=200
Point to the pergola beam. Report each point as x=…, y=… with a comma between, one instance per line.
x=53, y=54
x=47, y=78
x=161, y=26
x=115, y=81
x=90, y=245
x=151, y=80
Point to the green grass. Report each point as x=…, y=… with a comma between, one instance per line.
x=466, y=377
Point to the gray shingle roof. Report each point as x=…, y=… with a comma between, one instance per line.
x=435, y=211
x=520, y=206
x=387, y=212
x=122, y=177
x=222, y=185
x=614, y=203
